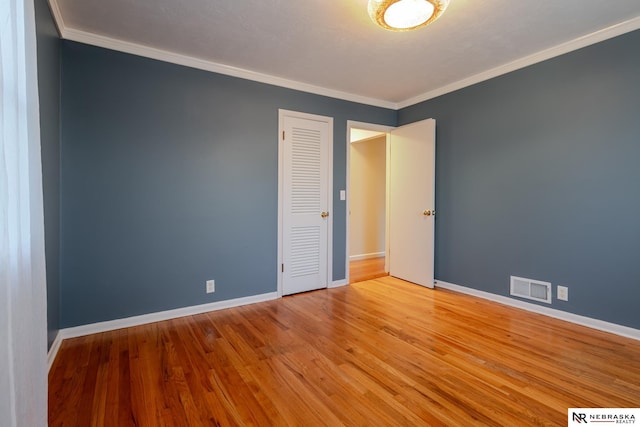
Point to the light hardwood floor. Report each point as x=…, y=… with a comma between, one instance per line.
x=366, y=269
x=380, y=353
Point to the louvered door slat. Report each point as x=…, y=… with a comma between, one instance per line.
x=306, y=173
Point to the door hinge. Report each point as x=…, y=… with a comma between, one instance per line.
x=283, y=135
x=283, y=268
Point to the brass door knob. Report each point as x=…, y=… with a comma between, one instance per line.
x=324, y=214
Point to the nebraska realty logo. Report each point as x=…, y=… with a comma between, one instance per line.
x=602, y=416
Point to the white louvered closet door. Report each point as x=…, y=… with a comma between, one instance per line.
x=305, y=207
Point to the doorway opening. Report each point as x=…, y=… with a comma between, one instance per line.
x=368, y=211
x=409, y=200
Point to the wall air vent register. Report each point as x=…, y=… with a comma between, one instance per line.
x=531, y=289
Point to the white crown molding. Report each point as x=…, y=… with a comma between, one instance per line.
x=192, y=62
x=575, y=44
x=57, y=17
x=589, y=322
x=159, y=316
x=188, y=61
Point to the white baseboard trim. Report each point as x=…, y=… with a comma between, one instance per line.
x=127, y=322
x=53, y=351
x=366, y=256
x=338, y=283
x=589, y=322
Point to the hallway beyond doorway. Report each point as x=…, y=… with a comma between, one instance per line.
x=366, y=269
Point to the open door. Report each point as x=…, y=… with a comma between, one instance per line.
x=412, y=202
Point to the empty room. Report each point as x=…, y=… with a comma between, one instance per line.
x=355, y=212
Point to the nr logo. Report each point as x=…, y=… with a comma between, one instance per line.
x=579, y=417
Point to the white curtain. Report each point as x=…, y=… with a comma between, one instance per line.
x=23, y=366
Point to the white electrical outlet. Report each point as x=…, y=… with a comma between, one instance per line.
x=211, y=286
x=563, y=293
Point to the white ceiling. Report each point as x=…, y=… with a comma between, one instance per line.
x=332, y=46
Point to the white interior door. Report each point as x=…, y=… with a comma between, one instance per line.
x=306, y=219
x=412, y=202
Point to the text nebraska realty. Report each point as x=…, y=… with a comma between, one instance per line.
x=603, y=418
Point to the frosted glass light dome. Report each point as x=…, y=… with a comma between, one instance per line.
x=405, y=15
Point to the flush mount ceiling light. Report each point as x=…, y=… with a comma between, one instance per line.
x=405, y=15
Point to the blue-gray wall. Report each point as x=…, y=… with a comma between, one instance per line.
x=49, y=94
x=169, y=178
x=538, y=175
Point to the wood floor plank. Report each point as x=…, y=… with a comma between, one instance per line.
x=380, y=352
x=366, y=269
